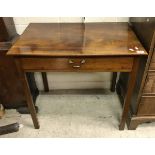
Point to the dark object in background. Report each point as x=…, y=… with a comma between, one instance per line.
x=143, y=99
x=9, y=128
x=11, y=88
x=25, y=110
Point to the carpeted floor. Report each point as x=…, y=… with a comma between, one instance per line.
x=76, y=115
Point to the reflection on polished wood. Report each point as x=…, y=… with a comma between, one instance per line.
x=77, y=39
x=75, y=47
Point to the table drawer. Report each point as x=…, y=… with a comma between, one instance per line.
x=149, y=87
x=78, y=64
x=146, y=106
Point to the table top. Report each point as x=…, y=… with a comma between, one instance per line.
x=77, y=39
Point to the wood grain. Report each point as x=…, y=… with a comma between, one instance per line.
x=146, y=106
x=149, y=87
x=74, y=39
x=91, y=64
x=152, y=63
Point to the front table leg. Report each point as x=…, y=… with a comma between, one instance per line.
x=27, y=92
x=131, y=84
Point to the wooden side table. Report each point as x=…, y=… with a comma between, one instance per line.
x=77, y=47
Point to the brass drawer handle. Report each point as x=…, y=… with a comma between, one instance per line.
x=71, y=61
x=82, y=61
x=76, y=66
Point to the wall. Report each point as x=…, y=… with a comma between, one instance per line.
x=70, y=80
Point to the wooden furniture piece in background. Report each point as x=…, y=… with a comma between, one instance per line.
x=78, y=47
x=143, y=99
x=11, y=88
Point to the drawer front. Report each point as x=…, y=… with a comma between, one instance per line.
x=152, y=64
x=149, y=87
x=78, y=64
x=146, y=106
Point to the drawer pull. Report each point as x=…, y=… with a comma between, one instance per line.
x=83, y=61
x=71, y=61
x=76, y=66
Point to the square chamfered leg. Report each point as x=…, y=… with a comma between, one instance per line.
x=27, y=92
x=131, y=85
x=45, y=81
x=113, y=83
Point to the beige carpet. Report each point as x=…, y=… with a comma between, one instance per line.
x=76, y=115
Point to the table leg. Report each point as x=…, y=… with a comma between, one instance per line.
x=28, y=95
x=113, y=83
x=131, y=84
x=45, y=81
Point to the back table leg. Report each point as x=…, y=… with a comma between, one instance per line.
x=45, y=81
x=29, y=99
x=113, y=83
x=130, y=89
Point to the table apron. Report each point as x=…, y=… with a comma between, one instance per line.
x=80, y=64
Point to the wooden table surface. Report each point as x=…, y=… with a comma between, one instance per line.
x=77, y=39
